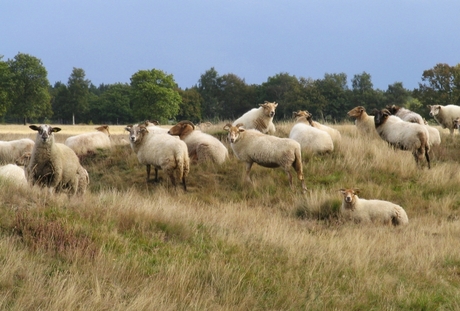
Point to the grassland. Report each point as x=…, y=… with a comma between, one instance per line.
x=228, y=245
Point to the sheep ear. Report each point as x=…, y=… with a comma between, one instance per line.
x=227, y=127
x=356, y=191
x=34, y=127
x=128, y=128
x=56, y=129
x=342, y=190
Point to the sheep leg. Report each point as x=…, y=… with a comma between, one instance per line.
x=183, y=183
x=248, y=169
x=147, y=167
x=427, y=156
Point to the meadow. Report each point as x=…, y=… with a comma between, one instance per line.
x=229, y=245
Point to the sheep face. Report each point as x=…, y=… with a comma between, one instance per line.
x=380, y=116
x=456, y=123
x=349, y=195
x=356, y=112
x=393, y=109
x=136, y=132
x=45, y=132
x=434, y=110
x=269, y=108
x=233, y=132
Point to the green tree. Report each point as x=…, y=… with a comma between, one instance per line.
x=190, y=107
x=440, y=85
x=235, y=96
x=5, y=85
x=334, y=90
x=396, y=94
x=78, y=88
x=363, y=93
x=113, y=105
x=284, y=89
x=29, y=95
x=209, y=89
x=154, y=95
x=59, y=99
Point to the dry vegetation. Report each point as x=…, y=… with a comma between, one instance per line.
x=225, y=245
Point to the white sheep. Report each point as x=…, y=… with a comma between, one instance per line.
x=260, y=118
x=405, y=114
x=310, y=138
x=14, y=174
x=201, y=146
x=251, y=146
x=52, y=164
x=13, y=149
x=375, y=211
x=445, y=115
x=89, y=143
x=364, y=122
x=335, y=134
x=403, y=135
x=162, y=151
x=434, y=138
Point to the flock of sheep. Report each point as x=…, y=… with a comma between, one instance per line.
x=57, y=166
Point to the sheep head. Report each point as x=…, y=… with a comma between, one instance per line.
x=181, y=128
x=269, y=108
x=456, y=123
x=234, y=132
x=434, y=109
x=356, y=112
x=393, y=109
x=104, y=129
x=349, y=195
x=380, y=116
x=136, y=132
x=45, y=132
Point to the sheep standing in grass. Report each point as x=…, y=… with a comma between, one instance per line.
x=251, y=146
x=162, y=151
x=52, y=164
x=260, y=118
x=405, y=114
x=364, y=122
x=403, y=135
x=375, y=211
x=310, y=138
x=13, y=149
x=201, y=146
x=445, y=115
x=88, y=143
x=335, y=134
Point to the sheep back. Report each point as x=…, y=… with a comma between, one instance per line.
x=14, y=174
x=260, y=118
x=89, y=143
x=13, y=149
x=311, y=138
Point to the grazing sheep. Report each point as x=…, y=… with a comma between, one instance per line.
x=162, y=151
x=375, y=211
x=201, y=146
x=403, y=135
x=364, y=122
x=52, y=164
x=13, y=149
x=445, y=115
x=405, y=114
x=14, y=174
x=335, y=134
x=260, y=118
x=310, y=138
x=88, y=143
x=251, y=146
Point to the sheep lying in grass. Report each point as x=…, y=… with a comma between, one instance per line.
x=405, y=114
x=260, y=118
x=89, y=143
x=403, y=135
x=14, y=174
x=13, y=149
x=162, y=151
x=375, y=211
x=310, y=138
x=52, y=164
x=445, y=115
x=251, y=146
x=335, y=134
x=364, y=122
x=201, y=146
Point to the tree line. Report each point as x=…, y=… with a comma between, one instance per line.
x=27, y=96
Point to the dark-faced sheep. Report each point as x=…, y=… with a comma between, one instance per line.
x=251, y=146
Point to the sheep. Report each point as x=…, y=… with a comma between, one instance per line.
x=13, y=149
x=434, y=138
x=310, y=138
x=161, y=151
x=405, y=114
x=83, y=176
x=14, y=174
x=445, y=115
x=456, y=123
x=260, y=118
x=52, y=165
x=335, y=134
x=88, y=143
x=403, y=135
x=251, y=146
x=364, y=122
x=375, y=211
x=201, y=146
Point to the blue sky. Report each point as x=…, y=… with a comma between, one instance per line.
x=393, y=41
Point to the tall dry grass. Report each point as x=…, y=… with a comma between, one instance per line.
x=227, y=245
